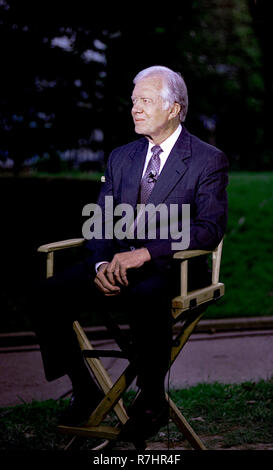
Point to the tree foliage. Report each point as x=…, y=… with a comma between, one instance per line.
x=68, y=71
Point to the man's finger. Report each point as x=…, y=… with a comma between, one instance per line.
x=103, y=282
x=100, y=286
x=123, y=275
x=107, y=285
x=116, y=274
x=109, y=273
x=104, y=290
x=120, y=274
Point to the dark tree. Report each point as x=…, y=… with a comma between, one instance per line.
x=68, y=72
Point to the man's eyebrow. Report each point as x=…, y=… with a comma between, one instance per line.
x=144, y=97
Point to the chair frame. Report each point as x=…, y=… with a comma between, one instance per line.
x=188, y=308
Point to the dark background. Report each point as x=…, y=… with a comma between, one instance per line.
x=66, y=82
x=54, y=95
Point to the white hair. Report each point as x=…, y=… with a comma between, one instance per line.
x=174, y=88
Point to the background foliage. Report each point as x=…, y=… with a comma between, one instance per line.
x=68, y=71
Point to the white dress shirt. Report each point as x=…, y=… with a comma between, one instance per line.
x=166, y=147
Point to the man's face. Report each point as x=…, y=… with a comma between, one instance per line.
x=150, y=117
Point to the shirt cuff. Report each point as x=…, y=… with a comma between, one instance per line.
x=97, y=265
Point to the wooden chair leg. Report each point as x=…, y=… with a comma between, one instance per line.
x=111, y=401
x=113, y=396
x=175, y=413
x=99, y=371
x=184, y=335
x=113, y=393
x=184, y=426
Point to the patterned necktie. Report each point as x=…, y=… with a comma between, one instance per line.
x=151, y=174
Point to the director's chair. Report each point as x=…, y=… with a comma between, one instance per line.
x=187, y=309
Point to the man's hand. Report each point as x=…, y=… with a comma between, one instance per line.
x=103, y=284
x=116, y=271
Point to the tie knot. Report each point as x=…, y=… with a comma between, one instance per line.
x=156, y=150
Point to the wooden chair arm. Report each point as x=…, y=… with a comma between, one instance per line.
x=186, y=254
x=61, y=245
x=183, y=301
x=49, y=249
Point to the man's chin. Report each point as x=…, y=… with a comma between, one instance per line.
x=139, y=129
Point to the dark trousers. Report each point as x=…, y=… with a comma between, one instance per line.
x=146, y=303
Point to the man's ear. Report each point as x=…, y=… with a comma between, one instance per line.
x=175, y=110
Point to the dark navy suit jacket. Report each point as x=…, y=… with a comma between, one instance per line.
x=195, y=173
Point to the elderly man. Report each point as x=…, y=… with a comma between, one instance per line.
x=166, y=166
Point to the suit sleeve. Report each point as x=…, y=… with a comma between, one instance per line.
x=102, y=248
x=208, y=211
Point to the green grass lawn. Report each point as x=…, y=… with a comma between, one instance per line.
x=247, y=262
x=222, y=415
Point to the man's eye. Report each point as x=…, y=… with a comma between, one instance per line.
x=146, y=100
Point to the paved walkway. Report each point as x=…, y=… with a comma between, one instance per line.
x=223, y=356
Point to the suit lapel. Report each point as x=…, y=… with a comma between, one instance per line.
x=132, y=173
x=173, y=170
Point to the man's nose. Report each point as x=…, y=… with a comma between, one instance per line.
x=137, y=107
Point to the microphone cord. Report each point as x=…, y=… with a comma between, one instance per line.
x=168, y=423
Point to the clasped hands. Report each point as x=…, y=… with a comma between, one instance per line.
x=111, y=276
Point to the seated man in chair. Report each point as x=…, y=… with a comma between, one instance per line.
x=166, y=166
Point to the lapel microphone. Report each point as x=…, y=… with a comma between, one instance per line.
x=152, y=177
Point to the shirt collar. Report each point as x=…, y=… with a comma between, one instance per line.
x=168, y=144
